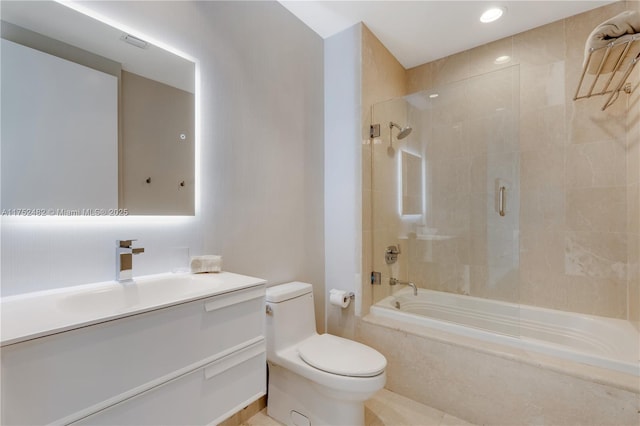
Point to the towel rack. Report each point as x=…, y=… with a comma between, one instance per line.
x=622, y=45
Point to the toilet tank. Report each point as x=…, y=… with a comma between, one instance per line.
x=290, y=315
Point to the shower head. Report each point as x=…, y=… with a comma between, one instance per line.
x=404, y=131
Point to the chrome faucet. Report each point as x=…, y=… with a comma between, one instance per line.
x=393, y=281
x=124, y=260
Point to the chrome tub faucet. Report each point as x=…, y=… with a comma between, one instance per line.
x=124, y=259
x=393, y=281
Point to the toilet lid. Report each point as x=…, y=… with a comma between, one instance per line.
x=341, y=356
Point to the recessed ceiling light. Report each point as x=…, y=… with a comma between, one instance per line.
x=492, y=14
x=502, y=59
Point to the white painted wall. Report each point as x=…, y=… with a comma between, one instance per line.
x=343, y=162
x=261, y=158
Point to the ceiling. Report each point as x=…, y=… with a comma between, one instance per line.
x=417, y=32
x=74, y=25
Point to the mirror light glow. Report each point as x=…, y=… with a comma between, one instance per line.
x=413, y=216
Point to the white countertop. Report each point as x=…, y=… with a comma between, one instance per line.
x=32, y=315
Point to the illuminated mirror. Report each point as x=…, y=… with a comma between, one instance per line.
x=95, y=121
x=411, y=184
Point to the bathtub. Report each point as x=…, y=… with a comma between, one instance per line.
x=608, y=343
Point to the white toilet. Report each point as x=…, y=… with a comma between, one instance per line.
x=315, y=379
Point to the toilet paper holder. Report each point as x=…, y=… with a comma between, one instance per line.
x=351, y=295
x=341, y=298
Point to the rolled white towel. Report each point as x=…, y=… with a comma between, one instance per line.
x=620, y=28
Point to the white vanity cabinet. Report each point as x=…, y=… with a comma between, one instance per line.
x=189, y=363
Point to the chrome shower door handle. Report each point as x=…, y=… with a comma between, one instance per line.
x=501, y=200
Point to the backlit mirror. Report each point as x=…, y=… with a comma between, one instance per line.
x=411, y=184
x=95, y=121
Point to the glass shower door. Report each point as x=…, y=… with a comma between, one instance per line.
x=447, y=198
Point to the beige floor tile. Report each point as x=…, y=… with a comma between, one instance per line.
x=450, y=420
x=393, y=409
x=386, y=408
x=261, y=419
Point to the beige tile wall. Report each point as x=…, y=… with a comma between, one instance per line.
x=386, y=223
x=633, y=200
x=579, y=175
x=383, y=78
x=470, y=145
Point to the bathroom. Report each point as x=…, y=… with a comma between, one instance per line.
x=284, y=184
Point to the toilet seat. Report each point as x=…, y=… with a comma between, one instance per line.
x=340, y=356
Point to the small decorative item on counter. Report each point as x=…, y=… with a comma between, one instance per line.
x=208, y=263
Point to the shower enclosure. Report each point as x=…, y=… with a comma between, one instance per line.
x=446, y=196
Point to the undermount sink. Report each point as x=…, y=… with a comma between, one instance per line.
x=114, y=298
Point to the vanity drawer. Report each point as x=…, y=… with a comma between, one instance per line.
x=72, y=374
x=207, y=395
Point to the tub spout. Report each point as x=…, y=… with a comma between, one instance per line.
x=393, y=281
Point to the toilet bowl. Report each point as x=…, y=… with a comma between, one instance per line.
x=315, y=379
